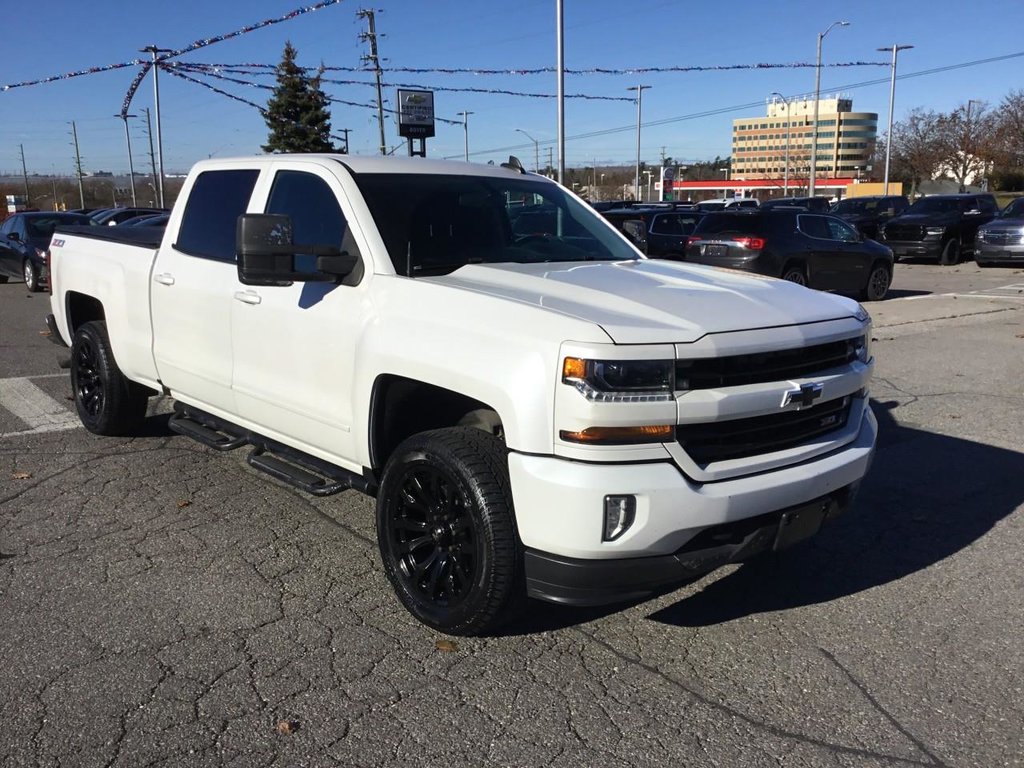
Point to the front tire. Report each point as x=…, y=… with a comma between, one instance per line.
x=446, y=530
x=107, y=403
x=878, y=283
x=950, y=253
x=31, y=276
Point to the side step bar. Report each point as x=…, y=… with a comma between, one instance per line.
x=307, y=473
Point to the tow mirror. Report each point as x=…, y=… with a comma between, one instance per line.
x=266, y=253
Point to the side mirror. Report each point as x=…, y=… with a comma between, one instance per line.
x=636, y=230
x=266, y=253
x=14, y=236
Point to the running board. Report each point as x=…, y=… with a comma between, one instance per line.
x=190, y=424
x=307, y=473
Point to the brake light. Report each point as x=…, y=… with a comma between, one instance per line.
x=691, y=239
x=753, y=243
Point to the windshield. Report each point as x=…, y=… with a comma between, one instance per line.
x=855, y=206
x=935, y=205
x=43, y=226
x=1014, y=210
x=435, y=224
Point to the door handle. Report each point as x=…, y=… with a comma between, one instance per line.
x=248, y=297
x=164, y=279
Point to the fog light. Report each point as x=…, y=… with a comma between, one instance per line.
x=619, y=514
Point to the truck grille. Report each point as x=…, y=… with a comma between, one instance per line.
x=1001, y=238
x=739, y=438
x=780, y=365
x=904, y=232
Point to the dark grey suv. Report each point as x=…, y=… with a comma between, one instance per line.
x=815, y=250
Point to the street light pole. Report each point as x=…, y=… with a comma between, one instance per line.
x=560, y=56
x=153, y=50
x=817, y=97
x=892, y=100
x=639, y=112
x=536, y=150
x=465, y=127
x=131, y=165
x=785, y=179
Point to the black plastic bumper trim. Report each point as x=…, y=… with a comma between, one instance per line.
x=55, y=337
x=589, y=582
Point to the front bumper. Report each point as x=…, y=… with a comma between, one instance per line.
x=989, y=252
x=579, y=582
x=914, y=249
x=559, y=507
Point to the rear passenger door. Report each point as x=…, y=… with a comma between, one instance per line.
x=666, y=239
x=192, y=284
x=823, y=253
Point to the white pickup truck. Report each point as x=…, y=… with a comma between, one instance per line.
x=538, y=409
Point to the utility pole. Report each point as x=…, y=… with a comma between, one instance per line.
x=24, y=172
x=373, y=58
x=892, y=101
x=465, y=128
x=152, y=49
x=551, y=160
x=345, y=148
x=78, y=165
x=131, y=164
x=152, y=157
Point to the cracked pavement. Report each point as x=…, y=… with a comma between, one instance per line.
x=165, y=605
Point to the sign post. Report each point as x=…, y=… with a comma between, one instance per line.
x=416, y=119
x=668, y=176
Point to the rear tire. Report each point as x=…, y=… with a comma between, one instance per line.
x=446, y=531
x=878, y=283
x=795, y=273
x=31, y=276
x=107, y=402
x=950, y=253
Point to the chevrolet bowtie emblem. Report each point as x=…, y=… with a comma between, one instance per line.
x=803, y=397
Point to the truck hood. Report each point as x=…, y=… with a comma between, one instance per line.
x=651, y=301
x=927, y=219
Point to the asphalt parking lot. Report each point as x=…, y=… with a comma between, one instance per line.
x=162, y=605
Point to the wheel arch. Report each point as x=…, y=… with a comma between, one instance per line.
x=80, y=308
x=401, y=407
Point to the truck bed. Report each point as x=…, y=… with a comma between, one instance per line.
x=149, y=237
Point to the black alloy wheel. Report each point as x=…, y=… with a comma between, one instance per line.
x=31, y=276
x=878, y=283
x=446, y=530
x=107, y=402
x=795, y=274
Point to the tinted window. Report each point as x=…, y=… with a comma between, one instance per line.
x=1013, y=210
x=42, y=226
x=815, y=226
x=216, y=201
x=314, y=210
x=738, y=223
x=839, y=230
x=666, y=225
x=935, y=205
x=987, y=205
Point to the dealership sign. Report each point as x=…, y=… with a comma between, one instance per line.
x=415, y=114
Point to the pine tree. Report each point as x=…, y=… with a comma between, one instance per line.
x=297, y=113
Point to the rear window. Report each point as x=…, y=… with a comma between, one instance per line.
x=216, y=201
x=739, y=223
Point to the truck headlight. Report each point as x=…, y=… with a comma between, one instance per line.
x=621, y=381
x=935, y=230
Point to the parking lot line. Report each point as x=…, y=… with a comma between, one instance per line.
x=33, y=406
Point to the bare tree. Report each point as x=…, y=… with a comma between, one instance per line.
x=917, y=148
x=966, y=136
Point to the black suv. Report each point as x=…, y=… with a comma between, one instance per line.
x=812, y=204
x=811, y=249
x=939, y=227
x=660, y=232
x=869, y=212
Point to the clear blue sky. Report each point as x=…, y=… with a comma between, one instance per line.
x=198, y=123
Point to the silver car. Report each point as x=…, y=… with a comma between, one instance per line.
x=1002, y=239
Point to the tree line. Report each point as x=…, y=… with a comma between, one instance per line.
x=968, y=144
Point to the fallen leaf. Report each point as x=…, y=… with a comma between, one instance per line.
x=954, y=416
x=46, y=333
x=21, y=476
x=72, y=397
x=182, y=503
x=1019, y=335
x=287, y=727
x=448, y=646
